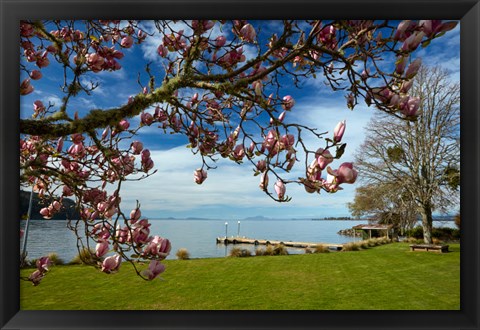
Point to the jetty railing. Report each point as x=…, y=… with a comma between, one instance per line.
x=245, y=240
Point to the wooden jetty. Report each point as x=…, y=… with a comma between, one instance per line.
x=245, y=240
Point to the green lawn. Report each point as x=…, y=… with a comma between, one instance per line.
x=387, y=277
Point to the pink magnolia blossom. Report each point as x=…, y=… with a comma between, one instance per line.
x=76, y=150
x=261, y=165
x=95, y=62
x=280, y=189
x=147, y=162
x=121, y=234
x=146, y=118
x=327, y=36
x=124, y=124
x=270, y=140
x=140, y=231
x=410, y=109
x=46, y=212
x=42, y=60
x=199, y=175
x=287, y=141
x=77, y=138
x=25, y=87
x=36, y=277
x=155, y=268
x=111, y=264
x=288, y=102
x=404, y=30
x=338, y=131
x=35, y=74
x=126, y=42
x=26, y=29
x=136, y=147
x=101, y=248
x=247, y=33
x=220, y=41
x=239, y=152
x=38, y=107
x=406, y=85
x=324, y=157
x=412, y=42
x=43, y=263
x=162, y=50
x=202, y=26
x=433, y=27
x=135, y=214
x=67, y=191
x=413, y=68
x=344, y=174
x=158, y=247
x=257, y=87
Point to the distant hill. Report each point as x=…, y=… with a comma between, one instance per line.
x=257, y=217
x=67, y=212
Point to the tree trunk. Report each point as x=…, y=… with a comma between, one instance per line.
x=427, y=223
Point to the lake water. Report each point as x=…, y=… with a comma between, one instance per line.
x=199, y=236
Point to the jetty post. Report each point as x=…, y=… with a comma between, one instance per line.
x=23, y=256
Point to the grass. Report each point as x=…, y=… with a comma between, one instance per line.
x=386, y=277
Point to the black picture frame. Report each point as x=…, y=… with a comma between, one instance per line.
x=467, y=11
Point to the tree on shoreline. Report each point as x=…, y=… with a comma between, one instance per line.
x=206, y=89
x=421, y=159
x=384, y=203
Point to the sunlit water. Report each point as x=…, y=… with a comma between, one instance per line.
x=199, y=236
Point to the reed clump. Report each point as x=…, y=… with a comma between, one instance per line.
x=86, y=257
x=182, y=254
x=321, y=249
x=239, y=252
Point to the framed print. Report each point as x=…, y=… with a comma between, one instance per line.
x=323, y=140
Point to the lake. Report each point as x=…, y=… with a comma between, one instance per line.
x=198, y=236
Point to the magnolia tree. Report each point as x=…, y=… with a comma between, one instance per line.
x=227, y=103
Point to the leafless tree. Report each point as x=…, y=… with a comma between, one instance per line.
x=422, y=158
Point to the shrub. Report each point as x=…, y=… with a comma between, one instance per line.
x=364, y=244
x=86, y=257
x=182, y=254
x=416, y=232
x=238, y=252
x=280, y=250
x=259, y=251
x=384, y=240
x=446, y=234
x=372, y=242
x=55, y=259
x=321, y=249
x=351, y=247
x=269, y=251
x=308, y=251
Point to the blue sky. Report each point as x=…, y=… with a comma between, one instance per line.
x=231, y=191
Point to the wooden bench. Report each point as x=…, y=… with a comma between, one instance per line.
x=429, y=247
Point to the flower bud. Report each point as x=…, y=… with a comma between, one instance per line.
x=413, y=68
x=280, y=189
x=35, y=74
x=338, y=131
x=288, y=102
x=126, y=42
x=199, y=176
